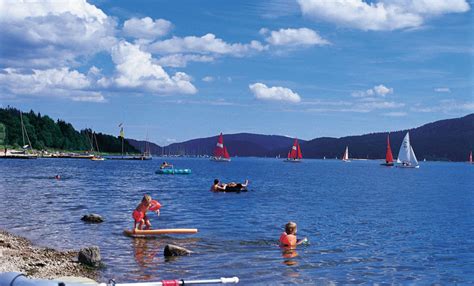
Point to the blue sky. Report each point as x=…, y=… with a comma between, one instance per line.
x=178, y=70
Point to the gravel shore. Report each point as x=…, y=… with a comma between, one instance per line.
x=17, y=254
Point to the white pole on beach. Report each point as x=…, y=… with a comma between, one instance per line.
x=223, y=280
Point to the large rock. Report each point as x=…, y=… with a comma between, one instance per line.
x=93, y=218
x=90, y=256
x=174, y=250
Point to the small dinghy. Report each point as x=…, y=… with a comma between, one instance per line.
x=406, y=156
x=388, y=154
x=173, y=171
x=294, y=155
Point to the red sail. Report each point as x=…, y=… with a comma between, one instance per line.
x=388, y=155
x=300, y=156
x=219, y=150
x=226, y=154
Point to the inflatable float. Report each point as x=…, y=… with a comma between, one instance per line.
x=152, y=232
x=236, y=189
x=173, y=171
x=19, y=279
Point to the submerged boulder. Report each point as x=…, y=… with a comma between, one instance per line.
x=174, y=250
x=93, y=218
x=90, y=256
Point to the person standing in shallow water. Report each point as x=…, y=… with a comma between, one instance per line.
x=288, y=237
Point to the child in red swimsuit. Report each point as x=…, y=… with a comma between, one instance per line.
x=139, y=214
x=288, y=238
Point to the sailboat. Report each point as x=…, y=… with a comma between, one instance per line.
x=406, y=156
x=28, y=152
x=220, y=152
x=97, y=156
x=470, y=158
x=345, y=156
x=294, y=155
x=388, y=154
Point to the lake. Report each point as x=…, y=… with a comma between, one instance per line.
x=365, y=223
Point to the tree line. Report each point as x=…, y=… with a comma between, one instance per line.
x=45, y=133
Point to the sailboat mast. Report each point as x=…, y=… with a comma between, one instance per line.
x=22, y=128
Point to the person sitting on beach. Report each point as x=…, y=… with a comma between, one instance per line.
x=139, y=214
x=288, y=238
x=165, y=165
x=218, y=187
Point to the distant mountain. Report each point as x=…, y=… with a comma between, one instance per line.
x=141, y=144
x=449, y=139
x=240, y=144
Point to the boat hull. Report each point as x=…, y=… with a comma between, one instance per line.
x=292, y=161
x=214, y=159
x=387, y=164
x=408, y=167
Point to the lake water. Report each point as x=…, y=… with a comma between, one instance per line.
x=365, y=223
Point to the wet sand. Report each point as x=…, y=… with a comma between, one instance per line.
x=17, y=254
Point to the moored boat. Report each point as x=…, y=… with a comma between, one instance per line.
x=406, y=155
x=470, y=158
x=294, y=155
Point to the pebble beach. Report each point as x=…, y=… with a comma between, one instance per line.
x=19, y=255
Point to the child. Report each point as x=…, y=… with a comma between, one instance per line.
x=139, y=214
x=288, y=238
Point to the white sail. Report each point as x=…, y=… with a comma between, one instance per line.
x=406, y=155
x=345, y=157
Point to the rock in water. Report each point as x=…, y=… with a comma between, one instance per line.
x=94, y=218
x=174, y=250
x=90, y=256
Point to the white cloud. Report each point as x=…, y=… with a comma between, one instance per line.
x=61, y=82
x=380, y=15
x=442, y=89
x=208, y=79
x=380, y=90
x=135, y=69
x=146, y=28
x=447, y=106
x=207, y=44
x=276, y=93
x=181, y=60
x=294, y=37
x=395, y=114
x=45, y=34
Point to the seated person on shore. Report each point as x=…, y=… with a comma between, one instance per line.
x=288, y=238
x=139, y=214
x=218, y=187
x=165, y=165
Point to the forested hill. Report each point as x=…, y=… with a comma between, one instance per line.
x=450, y=139
x=44, y=133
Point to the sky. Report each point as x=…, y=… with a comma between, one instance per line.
x=182, y=69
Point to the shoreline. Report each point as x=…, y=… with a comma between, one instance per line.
x=18, y=254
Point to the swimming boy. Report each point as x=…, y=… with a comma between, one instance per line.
x=139, y=214
x=288, y=238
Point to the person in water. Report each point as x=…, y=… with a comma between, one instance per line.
x=218, y=187
x=139, y=214
x=288, y=238
x=57, y=177
x=165, y=165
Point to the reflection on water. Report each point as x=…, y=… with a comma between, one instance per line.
x=367, y=224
